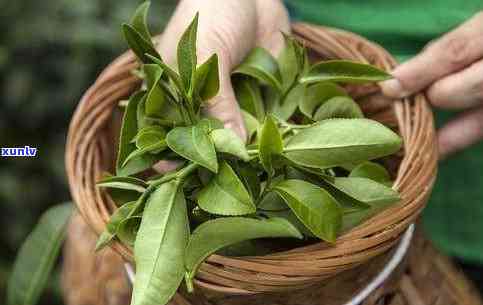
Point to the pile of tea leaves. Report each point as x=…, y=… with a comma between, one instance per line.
x=309, y=169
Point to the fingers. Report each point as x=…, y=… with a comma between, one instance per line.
x=272, y=19
x=465, y=130
x=452, y=70
x=451, y=53
x=463, y=89
x=227, y=28
x=230, y=28
x=225, y=108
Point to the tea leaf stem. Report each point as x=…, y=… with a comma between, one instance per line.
x=179, y=175
x=252, y=152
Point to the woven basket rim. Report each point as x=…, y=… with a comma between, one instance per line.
x=377, y=281
x=88, y=154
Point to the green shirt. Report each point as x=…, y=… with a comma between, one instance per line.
x=402, y=27
x=454, y=216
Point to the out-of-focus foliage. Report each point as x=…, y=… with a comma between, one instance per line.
x=50, y=52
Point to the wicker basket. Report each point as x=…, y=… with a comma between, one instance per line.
x=91, y=151
x=426, y=277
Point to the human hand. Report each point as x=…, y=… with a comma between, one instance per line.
x=229, y=28
x=450, y=69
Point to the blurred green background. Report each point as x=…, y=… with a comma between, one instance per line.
x=50, y=52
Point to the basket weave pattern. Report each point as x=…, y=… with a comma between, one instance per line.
x=91, y=150
x=426, y=277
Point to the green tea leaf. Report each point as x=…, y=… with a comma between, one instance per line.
x=261, y=65
x=124, y=183
x=251, y=124
x=175, y=77
x=160, y=246
x=350, y=165
x=210, y=124
x=122, y=196
x=139, y=20
x=138, y=44
x=128, y=228
x=155, y=98
x=193, y=143
x=284, y=109
x=314, y=207
x=288, y=215
x=167, y=115
x=227, y=141
x=149, y=135
x=170, y=117
x=364, y=190
x=353, y=218
x=336, y=142
x=249, y=176
x=36, y=257
x=339, y=107
x=305, y=59
x=371, y=170
x=216, y=234
x=271, y=201
x=344, y=71
x=290, y=61
x=141, y=117
x=113, y=225
x=246, y=248
x=225, y=194
x=187, y=53
x=206, y=82
x=323, y=179
x=307, y=174
x=316, y=95
x=129, y=130
x=271, y=144
x=249, y=96
x=142, y=152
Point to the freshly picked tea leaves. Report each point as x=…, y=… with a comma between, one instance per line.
x=290, y=179
x=215, y=234
x=309, y=169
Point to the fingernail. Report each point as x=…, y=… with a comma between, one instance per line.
x=394, y=88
